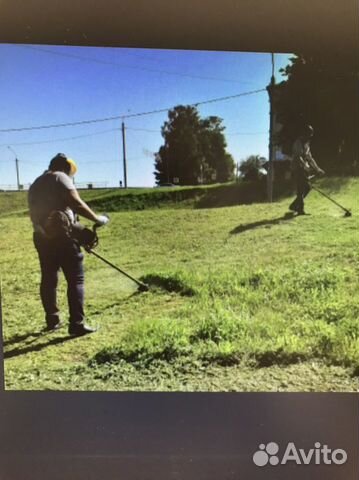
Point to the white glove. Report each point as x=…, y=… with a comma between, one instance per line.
x=102, y=220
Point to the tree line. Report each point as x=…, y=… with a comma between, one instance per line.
x=324, y=92
x=319, y=90
x=194, y=149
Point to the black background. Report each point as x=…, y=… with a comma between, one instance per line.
x=143, y=436
x=247, y=25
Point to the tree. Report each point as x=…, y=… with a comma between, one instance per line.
x=322, y=91
x=194, y=149
x=252, y=168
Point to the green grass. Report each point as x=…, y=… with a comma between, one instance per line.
x=119, y=199
x=242, y=298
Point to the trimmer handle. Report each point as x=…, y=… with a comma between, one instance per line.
x=96, y=225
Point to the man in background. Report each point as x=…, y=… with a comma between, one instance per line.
x=303, y=164
x=53, y=202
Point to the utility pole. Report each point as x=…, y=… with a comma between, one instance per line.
x=168, y=169
x=124, y=155
x=17, y=167
x=270, y=174
x=237, y=172
x=17, y=173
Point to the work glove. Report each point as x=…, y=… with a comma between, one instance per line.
x=102, y=220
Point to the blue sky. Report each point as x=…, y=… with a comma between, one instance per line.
x=46, y=85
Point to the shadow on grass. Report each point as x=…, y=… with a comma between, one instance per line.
x=22, y=338
x=262, y=223
x=16, y=352
x=243, y=193
x=93, y=310
x=168, y=283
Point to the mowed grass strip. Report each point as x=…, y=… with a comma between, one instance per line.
x=235, y=292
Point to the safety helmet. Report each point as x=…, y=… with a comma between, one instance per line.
x=308, y=130
x=73, y=166
x=63, y=163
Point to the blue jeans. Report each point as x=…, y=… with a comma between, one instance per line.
x=65, y=255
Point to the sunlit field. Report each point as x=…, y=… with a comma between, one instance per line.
x=241, y=298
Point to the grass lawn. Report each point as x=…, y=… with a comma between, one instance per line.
x=242, y=298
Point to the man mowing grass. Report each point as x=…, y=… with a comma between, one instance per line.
x=53, y=201
x=303, y=165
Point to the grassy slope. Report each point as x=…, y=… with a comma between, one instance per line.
x=275, y=304
x=114, y=200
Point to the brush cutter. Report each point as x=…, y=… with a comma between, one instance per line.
x=347, y=213
x=88, y=239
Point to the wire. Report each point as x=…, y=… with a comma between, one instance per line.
x=113, y=130
x=63, y=139
x=152, y=70
x=143, y=130
x=79, y=136
x=131, y=115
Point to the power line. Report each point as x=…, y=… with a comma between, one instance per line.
x=124, y=116
x=78, y=136
x=143, y=130
x=113, y=130
x=63, y=139
x=152, y=70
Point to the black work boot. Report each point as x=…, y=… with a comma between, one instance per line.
x=79, y=329
x=293, y=206
x=53, y=322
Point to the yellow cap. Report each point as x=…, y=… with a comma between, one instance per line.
x=73, y=166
